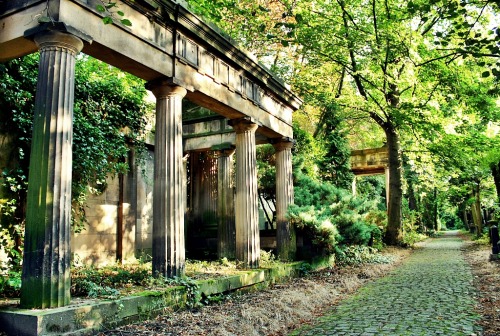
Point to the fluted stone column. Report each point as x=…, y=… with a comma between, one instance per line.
x=226, y=233
x=46, y=264
x=285, y=232
x=168, y=191
x=246, y=206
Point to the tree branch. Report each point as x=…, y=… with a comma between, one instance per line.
x=374, y=13
x=436, y=59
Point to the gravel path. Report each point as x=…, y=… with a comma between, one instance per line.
x=430, y=294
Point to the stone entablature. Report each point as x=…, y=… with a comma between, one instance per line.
x=165, y=40
x=369, y=161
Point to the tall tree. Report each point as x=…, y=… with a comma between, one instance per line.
x=380, y=60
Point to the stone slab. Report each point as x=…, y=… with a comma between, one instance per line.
x=91, y=315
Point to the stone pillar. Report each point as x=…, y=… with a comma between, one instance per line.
x=285, y=232
x=246, y=206
x=46, y=264
x=226, y=232
x=387, y=187
x=185, y=160
x=168, y=191
x=354, y=186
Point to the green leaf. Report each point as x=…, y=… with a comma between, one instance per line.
x=44, y=19
x=285, y=43
x=264, y=9
x=120, y=13
x=126, y=22
x=100, y=8
x=107, y=20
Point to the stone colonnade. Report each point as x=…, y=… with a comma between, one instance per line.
x=46, y=265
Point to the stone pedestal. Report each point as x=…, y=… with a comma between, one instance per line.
x=46, y=263
x=246, y=206
x=226, y=233
x=285, y=232
x=168, y=192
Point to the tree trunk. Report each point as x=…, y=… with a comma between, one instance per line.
x=495, y=171
x=393, y=234
x=435, y=211
x=476, y=211
x=463, y=206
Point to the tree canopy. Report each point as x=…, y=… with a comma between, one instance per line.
x=419, y=70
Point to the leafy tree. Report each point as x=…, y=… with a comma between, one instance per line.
x=379, y=61
x=334, y=164
x=464, y=29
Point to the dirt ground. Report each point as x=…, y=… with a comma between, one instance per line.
x=275, y=311
x=284, y=307
x=487, y=283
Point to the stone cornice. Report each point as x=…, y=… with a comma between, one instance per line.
x=171, y=14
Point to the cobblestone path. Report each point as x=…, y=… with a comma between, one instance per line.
x=431, y=293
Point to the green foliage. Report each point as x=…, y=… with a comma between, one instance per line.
x=100, y=280
x=93, y=290
x=372, y=187
x=411, y=237
x=10, y=283
x=358, y=255
x=266, y=171
x=109, y=117
x=331, y=215
x=111, y=13
x=267, y=259
x=451, y=221
x=334, y=163
x=194, y=296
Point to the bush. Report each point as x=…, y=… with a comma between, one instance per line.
x=358, y=254
x=333, y=216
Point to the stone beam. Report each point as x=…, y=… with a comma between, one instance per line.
x=370, y=161
x=166, y=40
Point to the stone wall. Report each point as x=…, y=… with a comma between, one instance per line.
x=96, y=244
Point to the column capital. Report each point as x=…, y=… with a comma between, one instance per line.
x=224, y=149
x=163, y=87
x=242, y=125
x=226, y=152
x=56, y=39
x=282, y=143
x=58, y=35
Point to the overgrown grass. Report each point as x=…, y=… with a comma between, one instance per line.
x=113, y=281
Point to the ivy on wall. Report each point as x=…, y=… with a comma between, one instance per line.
x=110, y=115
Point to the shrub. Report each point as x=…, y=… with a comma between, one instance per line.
x=358, y=254
x=333, y=216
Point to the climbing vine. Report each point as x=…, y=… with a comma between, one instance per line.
x=110, y=113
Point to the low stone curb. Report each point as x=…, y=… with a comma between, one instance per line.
x=93, y=315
